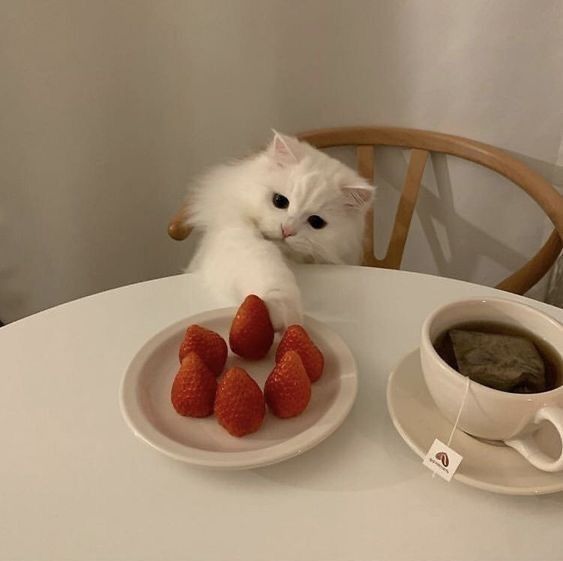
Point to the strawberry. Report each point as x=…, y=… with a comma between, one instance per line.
x=288, y=388
x=297, y=339
x=252, y=333
x=210, y=346
x=239, y=405
x=194, y=387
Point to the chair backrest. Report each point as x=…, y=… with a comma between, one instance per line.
x=421, y=144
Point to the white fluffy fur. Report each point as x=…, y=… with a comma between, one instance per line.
x=243, y=250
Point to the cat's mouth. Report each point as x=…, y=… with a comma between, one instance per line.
x=271, y=237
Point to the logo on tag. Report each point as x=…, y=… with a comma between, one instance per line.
x=441, y=459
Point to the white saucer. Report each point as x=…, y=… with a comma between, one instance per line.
x=146, y=407
x=495, y=468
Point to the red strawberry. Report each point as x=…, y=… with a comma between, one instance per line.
x=194, y=387
x=251, y=334
x=239, y=405
x=210, y=346
x=297, y=339
x=288, y=388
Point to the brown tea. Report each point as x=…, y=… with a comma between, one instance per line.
x=527, y=365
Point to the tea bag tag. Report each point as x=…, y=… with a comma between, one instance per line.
x=442, y=460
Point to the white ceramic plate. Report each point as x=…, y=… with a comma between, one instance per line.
x=491, y=467
x=145, y=401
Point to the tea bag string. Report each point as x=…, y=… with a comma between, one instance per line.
x=467, y=382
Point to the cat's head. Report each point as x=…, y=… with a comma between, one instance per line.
x=311, y=204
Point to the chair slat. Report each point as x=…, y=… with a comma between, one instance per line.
x=365, y=156
x=369, y=259
x=405, y=209
x=366, y=162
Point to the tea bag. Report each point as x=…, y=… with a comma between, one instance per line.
x=504, y=362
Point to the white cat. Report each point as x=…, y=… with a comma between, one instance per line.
x=290, y=202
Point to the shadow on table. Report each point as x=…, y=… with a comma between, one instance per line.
x=338, y=464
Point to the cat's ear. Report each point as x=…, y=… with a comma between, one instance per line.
x=284, y=150
x=357, y=196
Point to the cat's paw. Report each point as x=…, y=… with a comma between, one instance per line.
x=285, y=309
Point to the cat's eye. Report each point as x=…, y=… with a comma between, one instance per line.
x=316, y=222
x=280, y=201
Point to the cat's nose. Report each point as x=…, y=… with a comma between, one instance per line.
x=287, y=231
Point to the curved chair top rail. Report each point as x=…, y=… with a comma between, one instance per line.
x=422, y=143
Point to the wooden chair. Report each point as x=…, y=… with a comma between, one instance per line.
x=421, y=144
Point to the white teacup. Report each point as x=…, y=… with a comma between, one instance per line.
x=488, y=413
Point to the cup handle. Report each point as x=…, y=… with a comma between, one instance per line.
x=528, y=446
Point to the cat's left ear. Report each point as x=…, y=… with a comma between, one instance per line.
x=358, y=196
x=284, y=150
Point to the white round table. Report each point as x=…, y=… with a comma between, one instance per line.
x=76, y=484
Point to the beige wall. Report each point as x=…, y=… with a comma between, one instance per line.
x=109, y=107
